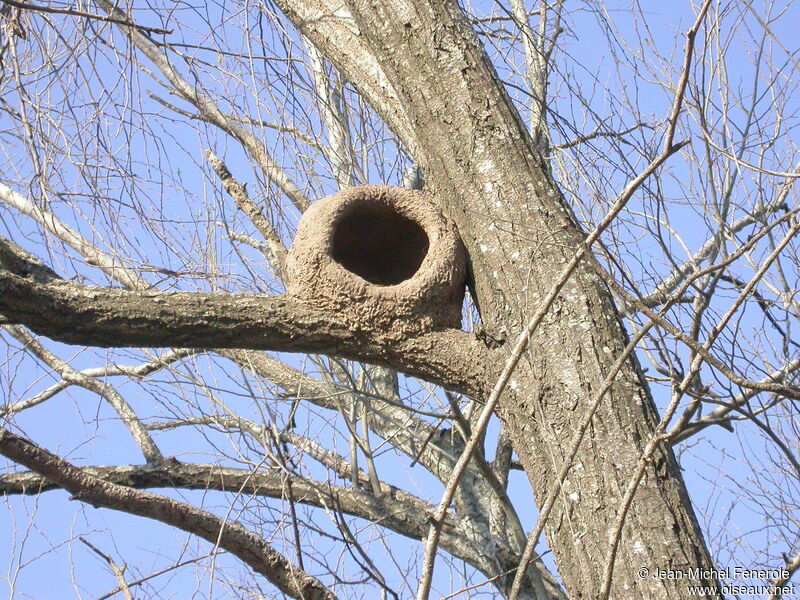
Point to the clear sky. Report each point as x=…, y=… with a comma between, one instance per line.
x=126, y=171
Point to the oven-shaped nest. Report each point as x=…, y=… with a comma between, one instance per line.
x=381, y=255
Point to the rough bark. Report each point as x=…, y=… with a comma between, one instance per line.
x=230, y=536
x=395, y=509
x=106, y=317
x=481, y=166
x=446, y=102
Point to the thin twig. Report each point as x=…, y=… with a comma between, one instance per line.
x=79, y=13
x=158, y=573
x=761, y=386
x=119, y=572
x=711, y=246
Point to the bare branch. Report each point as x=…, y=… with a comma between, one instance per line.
x=119, y=573
x=711, y=246
x=239, y=194
x=133, y=371
x=406, y=514
x=79, y=13
x=293, y=131
x=108, y=263
x=107, y=317
x=230, y=536
x=720, y=415
x=206, y=105
x=104, y=390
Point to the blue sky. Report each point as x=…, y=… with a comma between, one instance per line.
x=610, y=69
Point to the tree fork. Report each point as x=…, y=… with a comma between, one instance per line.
x=482, y=167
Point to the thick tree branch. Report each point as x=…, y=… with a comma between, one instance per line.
x=395, y=510
x=230, y=536
x=110, y=317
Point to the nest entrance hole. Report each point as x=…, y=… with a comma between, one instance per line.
x=379, y=244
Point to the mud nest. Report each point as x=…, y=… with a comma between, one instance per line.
x=381, y=256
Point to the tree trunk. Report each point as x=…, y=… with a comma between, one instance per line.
x=421, y=66
x=481, y=166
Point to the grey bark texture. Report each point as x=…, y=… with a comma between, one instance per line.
x=231, y=536
x=482, y=167
x=420, y=64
